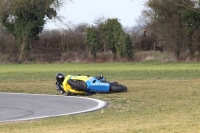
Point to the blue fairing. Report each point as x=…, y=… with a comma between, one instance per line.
x=94, y=85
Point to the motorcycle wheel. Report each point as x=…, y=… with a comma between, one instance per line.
x=117, y=88
x=76, y=85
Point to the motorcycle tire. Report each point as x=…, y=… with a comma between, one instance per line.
x=76, y=85
x=117, y=88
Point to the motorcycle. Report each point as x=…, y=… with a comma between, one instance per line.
x=86, y=85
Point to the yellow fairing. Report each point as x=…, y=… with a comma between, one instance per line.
x=68, y=88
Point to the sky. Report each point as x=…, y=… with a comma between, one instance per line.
x=87, y=11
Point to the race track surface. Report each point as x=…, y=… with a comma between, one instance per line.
x=18, y=107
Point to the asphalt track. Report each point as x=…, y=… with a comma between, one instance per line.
x=19, y=107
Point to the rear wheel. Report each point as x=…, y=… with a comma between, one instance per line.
x=78, y=85
x=117, y=88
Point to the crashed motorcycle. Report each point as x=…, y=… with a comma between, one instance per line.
x=86, y=85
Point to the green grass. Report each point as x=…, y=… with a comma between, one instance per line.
x=161, y=97
x=133, y=71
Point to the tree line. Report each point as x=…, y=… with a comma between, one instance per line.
x=171, y=25
x=86, y=40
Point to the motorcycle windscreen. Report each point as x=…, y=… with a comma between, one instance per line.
x=95, y=85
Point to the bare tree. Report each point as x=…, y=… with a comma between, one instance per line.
x=167, y=24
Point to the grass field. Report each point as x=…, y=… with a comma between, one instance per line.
x=161, y=97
